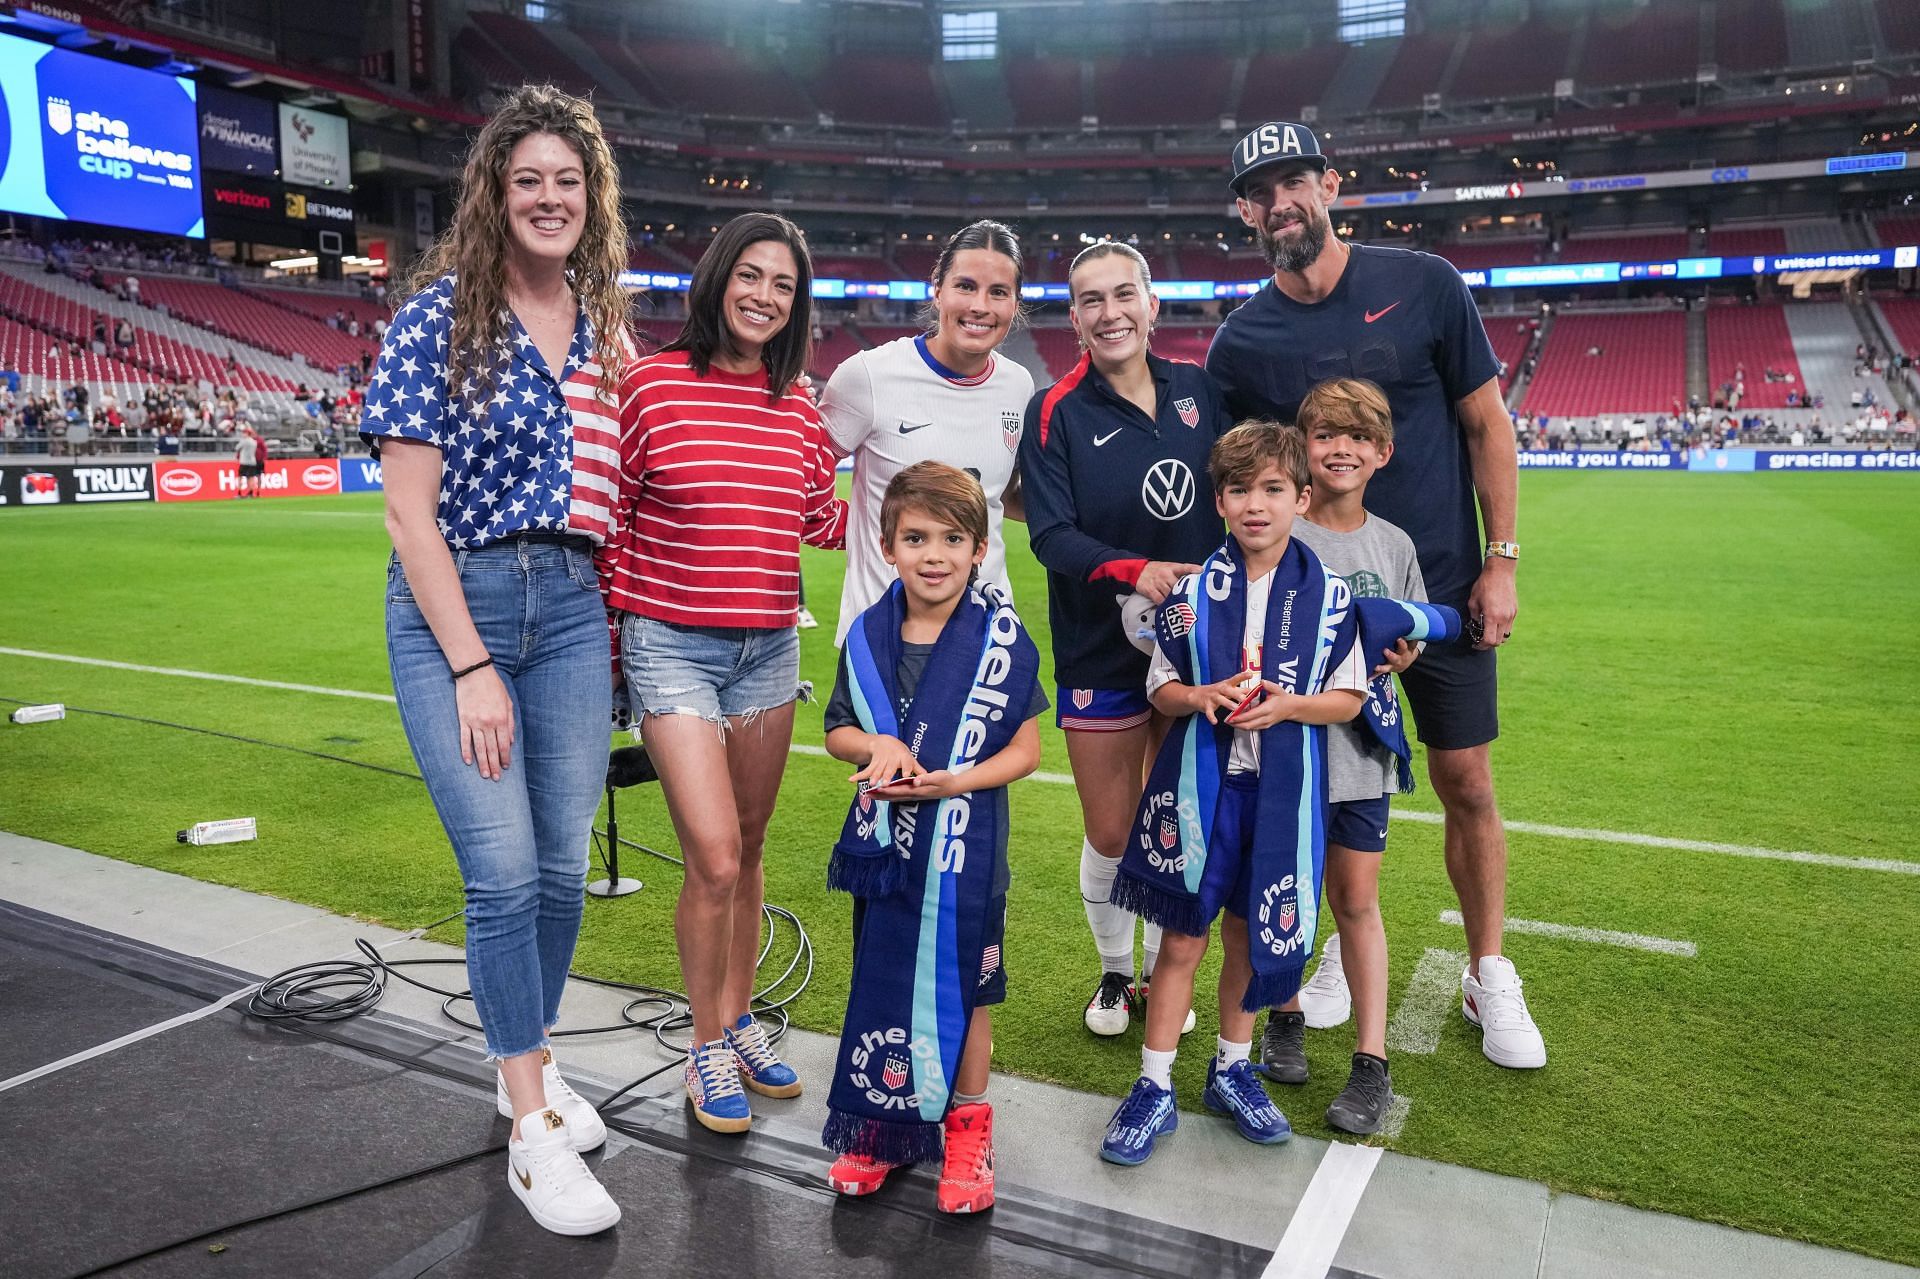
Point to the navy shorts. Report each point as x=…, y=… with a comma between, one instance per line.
x=1100, y=710
x=1228, y=877
x=1454, y=692
x=1359, y=824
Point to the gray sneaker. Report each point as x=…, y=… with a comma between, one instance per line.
x=1362, y=1105
x=1283, y=1048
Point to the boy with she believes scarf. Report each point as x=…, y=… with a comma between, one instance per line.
x=935, y=702
x=1255, y=654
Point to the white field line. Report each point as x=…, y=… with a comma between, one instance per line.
x=1321, y=1218
x=1602, y=936
x=1887, y=865
x=1396, y=1118
x=1430, y=996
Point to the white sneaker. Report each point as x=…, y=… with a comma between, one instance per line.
x=584, y=1127
x=1325, y=1000
x=1493, y=1002
x=806, y=620
x=547, y=1175
x=1110, y=1011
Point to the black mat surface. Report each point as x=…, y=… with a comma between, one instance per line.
x=226, y=1119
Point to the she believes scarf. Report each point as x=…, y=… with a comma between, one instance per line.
x=923, y=871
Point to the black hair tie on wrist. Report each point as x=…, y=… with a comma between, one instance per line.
x=479, y=665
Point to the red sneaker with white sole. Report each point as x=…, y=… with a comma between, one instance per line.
x=966, y=1175
x=858, y=1175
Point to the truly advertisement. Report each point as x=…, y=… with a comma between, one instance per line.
x=313, y=148
x=63, y=484
x=90, y=140
x=177, y=481
x=238, y=134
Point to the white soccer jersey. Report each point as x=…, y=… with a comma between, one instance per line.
x=893, y=406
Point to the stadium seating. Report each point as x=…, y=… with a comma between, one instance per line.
x=35, y=354
x=1753, y=339
x=1656, y=44
x=1520, y=61
x=1903, y=322
x=1483, y=255
x=1641, y=367
x=1626, y=248
x=1279, y=84
x=1510, y=335
x=643, y=257
x=897, y=92
x=1739, y=242
x=1899, y=23
x=1045, y=92
x=1059, y=348
x=1415, y=71
x=1750, y=35
x=1181, y=342
x=1163, y=89
x=711, y=79
x=1825, y=337
x=914, y=261
x=1896, y=232
x=322, y=306
x=537, y=57
x=244, y=318
x=482, y=62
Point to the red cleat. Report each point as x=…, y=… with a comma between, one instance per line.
x=857, y=1174
x=966, y=1177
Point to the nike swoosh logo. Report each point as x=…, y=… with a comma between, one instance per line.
x=908, y=428
x=526, y=1182
x=1374, y=315
x=1098, y=440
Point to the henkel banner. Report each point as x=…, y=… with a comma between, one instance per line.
x=211, y=481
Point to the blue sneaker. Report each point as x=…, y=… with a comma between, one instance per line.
x=1143, y=1118
x=765, y=1073
x=1236, y=1091
x=713, y=1086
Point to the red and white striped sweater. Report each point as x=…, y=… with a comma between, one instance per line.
x=718, y=487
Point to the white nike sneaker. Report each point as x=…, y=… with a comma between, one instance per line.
x=547, y=1175
x=1492, y=1001
x=1325, y=1000
x=806, y=621
x=584, y=1127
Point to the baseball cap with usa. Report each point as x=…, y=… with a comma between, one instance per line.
x=1276, y=142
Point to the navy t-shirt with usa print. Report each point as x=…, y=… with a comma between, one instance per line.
x=1406, y=322
x=540, y=453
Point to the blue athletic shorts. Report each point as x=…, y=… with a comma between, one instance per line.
x=1100, y=710
x=1359, y=824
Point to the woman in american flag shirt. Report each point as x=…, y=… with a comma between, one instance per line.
x=491, y=409
x=725, y=470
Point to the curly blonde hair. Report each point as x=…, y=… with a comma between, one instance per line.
x=474, y=249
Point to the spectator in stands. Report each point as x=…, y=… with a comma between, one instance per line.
x=712, y=421
x=123, y=332
x=940, y=395
x=1452, y=446
x=522, y=294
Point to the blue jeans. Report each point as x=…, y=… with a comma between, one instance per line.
x=521, y=842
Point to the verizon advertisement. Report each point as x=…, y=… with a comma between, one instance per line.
x=213, y=481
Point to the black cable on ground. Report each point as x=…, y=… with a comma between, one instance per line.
x=335, y=990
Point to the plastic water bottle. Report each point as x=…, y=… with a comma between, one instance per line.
x=38, y=714
x=233, y=830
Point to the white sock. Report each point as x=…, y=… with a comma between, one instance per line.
x=1158, y=1066
x=1228, y=1053
x=1112, y=927
x=1149, y=950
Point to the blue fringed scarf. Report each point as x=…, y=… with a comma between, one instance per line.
x=923, y=872
x=1382, y=622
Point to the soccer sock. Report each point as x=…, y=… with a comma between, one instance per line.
x=1158, y=1066
x=969, y=1098
x=1112, y=927
x=1228, y=1052
x=1149, y=950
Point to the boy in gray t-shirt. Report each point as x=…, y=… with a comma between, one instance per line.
x=1349, y=431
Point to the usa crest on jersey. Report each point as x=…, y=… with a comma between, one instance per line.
x=1188, y=410
x=1010, y=429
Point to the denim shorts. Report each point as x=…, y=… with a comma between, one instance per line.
x=718, y=673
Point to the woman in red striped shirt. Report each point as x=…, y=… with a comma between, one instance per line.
x=725, y=470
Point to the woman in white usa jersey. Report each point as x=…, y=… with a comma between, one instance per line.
x=943, y=396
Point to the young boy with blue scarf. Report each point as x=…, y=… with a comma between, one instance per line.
x=1348, y=427
x=935, y=700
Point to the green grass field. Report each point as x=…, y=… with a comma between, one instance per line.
x=1697, y=657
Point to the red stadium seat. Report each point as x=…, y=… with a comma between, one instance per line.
x=1627, y=248
x=1752, y=339
x=1642, y=365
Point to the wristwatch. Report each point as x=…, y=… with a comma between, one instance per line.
x=1505, y=550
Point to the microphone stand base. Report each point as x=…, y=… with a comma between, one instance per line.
x=613, y=887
